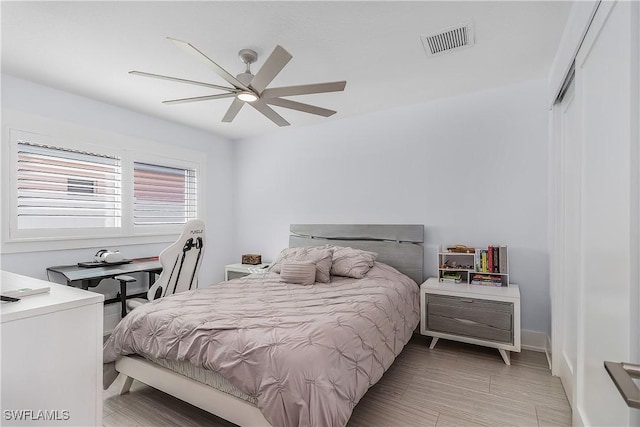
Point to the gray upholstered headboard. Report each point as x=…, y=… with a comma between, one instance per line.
x=399, y=246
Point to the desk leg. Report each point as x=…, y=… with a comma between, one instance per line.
x=152, y=278
x=123, y=298
x=90, y=283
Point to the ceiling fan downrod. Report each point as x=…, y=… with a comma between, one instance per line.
x=248, y=57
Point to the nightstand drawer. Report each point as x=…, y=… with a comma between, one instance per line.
x=235, y=274
x=472, y=317
x=469, y=328
x=468, y=303
x=495, y=319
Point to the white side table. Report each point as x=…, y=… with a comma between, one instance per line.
x=233, y=271
x=475, y=314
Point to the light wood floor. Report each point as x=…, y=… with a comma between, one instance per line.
x=453, y=385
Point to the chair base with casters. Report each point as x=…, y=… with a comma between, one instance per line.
x=180, y=265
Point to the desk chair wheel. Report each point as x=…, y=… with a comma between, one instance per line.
x=123, y=279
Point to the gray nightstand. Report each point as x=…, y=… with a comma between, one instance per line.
x=233, y=271
x=475, y=314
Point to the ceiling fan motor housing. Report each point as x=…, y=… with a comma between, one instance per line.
x=245, y=78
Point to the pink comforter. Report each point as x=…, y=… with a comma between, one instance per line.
x=307, y=353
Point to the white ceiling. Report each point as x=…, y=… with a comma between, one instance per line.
x=88, y=48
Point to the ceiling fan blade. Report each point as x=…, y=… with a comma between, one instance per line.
x=303, y=89
x=268, y=111
x=199, y=98
x=270, y=69
x=190, y=49
x=233, y=110
x=175, y=79
x=293, y=105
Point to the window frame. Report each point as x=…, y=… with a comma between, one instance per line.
x=72, y=136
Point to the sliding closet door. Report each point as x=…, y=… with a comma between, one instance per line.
x=568, y=211
x=607, y=303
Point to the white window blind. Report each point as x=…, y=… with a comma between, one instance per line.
x=163, y=195
x=61, y=188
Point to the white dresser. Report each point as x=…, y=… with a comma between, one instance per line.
x=51, y=355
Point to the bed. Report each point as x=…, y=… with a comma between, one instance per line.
x=260, y=351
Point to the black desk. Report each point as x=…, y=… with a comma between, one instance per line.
x=89, y=277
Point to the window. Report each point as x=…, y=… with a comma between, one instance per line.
x=163, y=195
x=61, y=188
x=85, y=188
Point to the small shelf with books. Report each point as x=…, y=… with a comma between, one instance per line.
x=476, y=266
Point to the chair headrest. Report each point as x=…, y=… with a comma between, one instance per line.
x=193, y=228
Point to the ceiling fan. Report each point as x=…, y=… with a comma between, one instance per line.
x=252, y=89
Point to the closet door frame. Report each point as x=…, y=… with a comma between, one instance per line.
x=607, y=67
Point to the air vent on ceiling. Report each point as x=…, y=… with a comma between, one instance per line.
x=449, y=39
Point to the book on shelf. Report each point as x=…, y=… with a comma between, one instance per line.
x=451, y=277
x=486, y=280
x=483, y=260
x=502, y=254
x=496, y=259
x=491, y=260
x=486, y=283
x=477, y=260
x=499, y=259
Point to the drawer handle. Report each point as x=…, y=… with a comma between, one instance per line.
x=466, y=321
x=465, y=300
x=621, y=374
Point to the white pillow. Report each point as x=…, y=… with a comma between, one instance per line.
x=298, y=272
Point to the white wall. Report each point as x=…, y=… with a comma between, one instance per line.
x=472, y=169
x=28, y=97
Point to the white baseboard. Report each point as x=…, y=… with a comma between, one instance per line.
x=536, y=341
x=549, y=351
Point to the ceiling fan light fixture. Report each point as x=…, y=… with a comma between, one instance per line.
x=247, y=96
